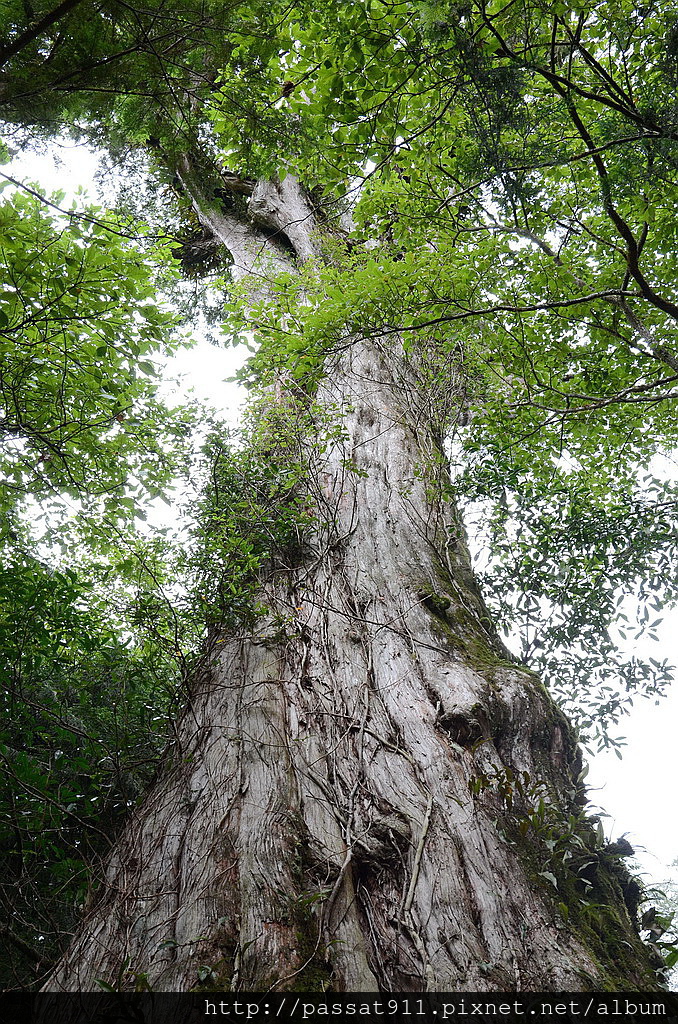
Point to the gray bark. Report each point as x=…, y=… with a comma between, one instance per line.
x=339, y=811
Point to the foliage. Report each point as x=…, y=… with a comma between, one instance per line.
x=248, y=518
x=84, y=710
x=578, y=576
x=258, y=512
x=122, y=66
x=658, y=923
x=80, y=334
x=93, y=649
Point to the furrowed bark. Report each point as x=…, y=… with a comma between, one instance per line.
x=363, y=788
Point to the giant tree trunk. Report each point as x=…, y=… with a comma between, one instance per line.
x=365, y=793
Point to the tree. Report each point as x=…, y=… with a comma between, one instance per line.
x=441, y=220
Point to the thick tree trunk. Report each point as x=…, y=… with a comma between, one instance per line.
x=366, y=793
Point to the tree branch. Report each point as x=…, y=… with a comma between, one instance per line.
x=72, y=214
x=20, y=944
x=633, y=247
x=535, y=307
x=36, y=29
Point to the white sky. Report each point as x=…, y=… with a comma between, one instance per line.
x=636, y=791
